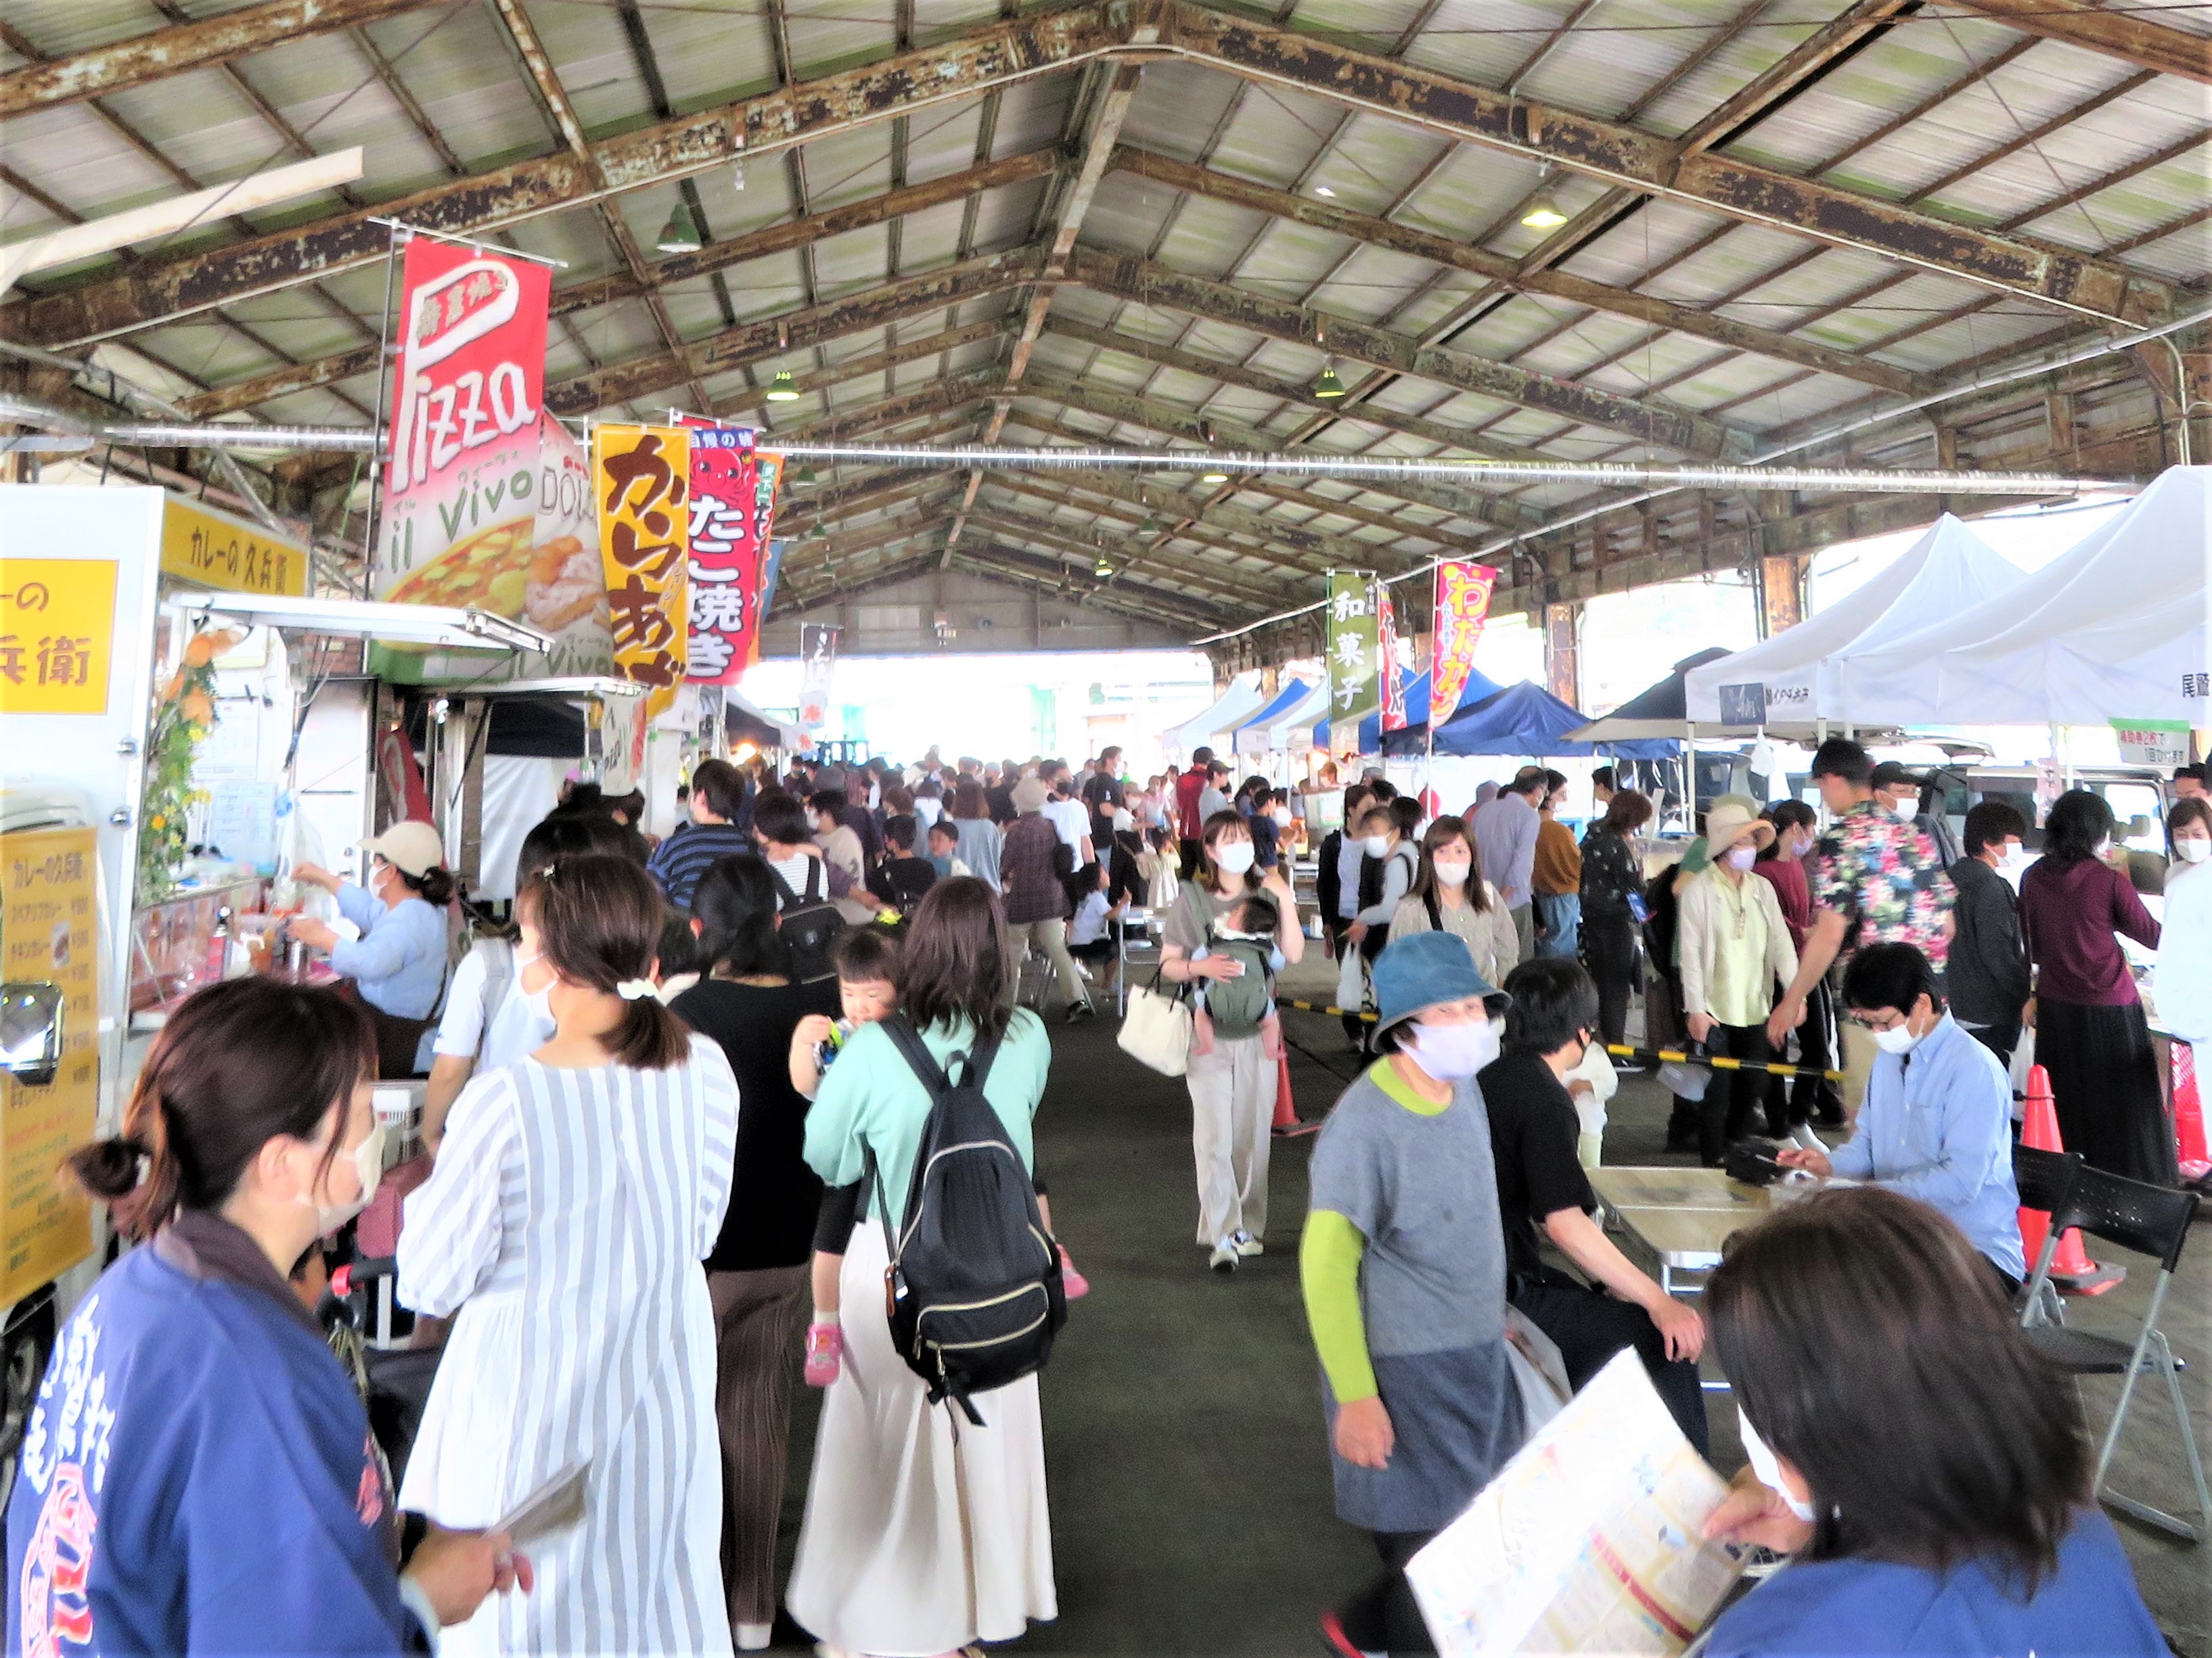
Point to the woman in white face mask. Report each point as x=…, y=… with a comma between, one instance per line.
x=1232, y=1086
x=1449, y=895
x=1929, y=1471
x=1735, y=943
x=2182, y=986
x=1403, y=1268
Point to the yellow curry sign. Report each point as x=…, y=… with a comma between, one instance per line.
x=213, y=550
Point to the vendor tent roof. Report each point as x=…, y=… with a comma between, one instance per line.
x=1242, y=700
x=1796, y=676
x=1479, y=689
x=1283, y=719
x=1522, y=719
x=742, y=718
x=1658, y=710
x=2114, y=629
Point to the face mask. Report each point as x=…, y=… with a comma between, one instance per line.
x=1453, y=872
x=1763, y=1464
x=1376, y=846
x=2015, y=854
x=2193, y=851
x=368, y=1168
x=1907, y=805
x=1741, y=857
x=1233, y=857
x=1897, y=1038
x=1449, y=1052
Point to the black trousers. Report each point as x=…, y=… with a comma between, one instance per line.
x=1590, y=1327
x=1610, y=953
x=1384, y=1617
x=1793, y=1100
x=1732, y=1096
x=1189, y=852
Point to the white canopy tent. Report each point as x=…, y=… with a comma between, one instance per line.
x=1795, y=677
x=2114, y=629
x=1240, y=701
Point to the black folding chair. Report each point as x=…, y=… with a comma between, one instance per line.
x=2045, y=1180
x=2152, y=1221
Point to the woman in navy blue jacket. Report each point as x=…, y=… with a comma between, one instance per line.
x=198, y=1475
x=1929, y=1470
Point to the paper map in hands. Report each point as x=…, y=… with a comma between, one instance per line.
x=1588, y=1540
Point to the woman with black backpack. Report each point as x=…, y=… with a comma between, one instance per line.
x=923, y=1533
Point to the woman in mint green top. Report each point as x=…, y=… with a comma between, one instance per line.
x=919, y=1538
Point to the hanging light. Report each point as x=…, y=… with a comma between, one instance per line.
x=804, y=478
x=1543, y=213
x=817, y=533
x=1101, y=569
x=681, y=233
x=782, y=389
x=1213, y=475
x=1328, y=388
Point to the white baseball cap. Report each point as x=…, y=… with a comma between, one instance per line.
x=412, y=848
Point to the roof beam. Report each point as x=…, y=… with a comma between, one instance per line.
x=1139, y=598
x=140, y=59
x=1060, y=490
x=937, y=397
x=1646, y=162
x=1131, y=277
x=876, y=362
x=1159, y=500
x=2115, y=34
x=1066, y=538
x=734, y=348
x=1374, y=232
x=994, y=54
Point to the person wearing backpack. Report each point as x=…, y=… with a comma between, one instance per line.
x=1232, y=1084
x=926, y=1530
x=809, y=920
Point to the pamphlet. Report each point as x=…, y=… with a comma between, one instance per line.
x=1588, y=1540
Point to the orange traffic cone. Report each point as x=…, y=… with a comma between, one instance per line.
x=2071, y=1265
x=1286, y=1121
x=2189, y=1115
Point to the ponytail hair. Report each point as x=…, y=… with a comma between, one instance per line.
x=598, y=919
x=434, y=886
x=239, y=1064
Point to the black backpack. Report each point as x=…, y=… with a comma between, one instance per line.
x=973, y=1290
x=808, y=923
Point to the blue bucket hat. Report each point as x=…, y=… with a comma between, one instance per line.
x=1417, y=973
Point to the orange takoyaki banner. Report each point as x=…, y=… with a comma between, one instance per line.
x=460, y=488
x=641, y=476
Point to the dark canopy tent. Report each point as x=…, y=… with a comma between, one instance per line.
x=1523, y=718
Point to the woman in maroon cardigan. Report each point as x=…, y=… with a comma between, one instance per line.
x=2090, y=1034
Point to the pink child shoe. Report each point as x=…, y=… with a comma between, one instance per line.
x=1072, y=1283
x=825, y=1351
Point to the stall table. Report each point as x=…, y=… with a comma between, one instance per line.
x=1678, y=1219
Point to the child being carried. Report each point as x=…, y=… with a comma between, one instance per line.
x=1244, y=931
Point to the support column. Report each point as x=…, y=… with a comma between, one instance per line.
x=1563, y=658
x=1781, y=592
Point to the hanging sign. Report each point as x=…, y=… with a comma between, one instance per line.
x=728, y=541
x=214, y=550
x=460, y=488
x=2160, y=743
x=771, y=567
x=641, y=476
x=767, y=479
x=818, y=653
x=1353, y=684
x=1386, y=636
x=1463, y=592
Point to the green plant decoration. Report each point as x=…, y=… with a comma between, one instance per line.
x=186, y=714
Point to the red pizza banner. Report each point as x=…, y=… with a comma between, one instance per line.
x=1386, y=635
x=1463, y=592
x=727, y=542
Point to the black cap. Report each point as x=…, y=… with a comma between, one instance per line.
x=1889, y=774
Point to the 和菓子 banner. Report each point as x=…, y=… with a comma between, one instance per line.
x=1353, y=645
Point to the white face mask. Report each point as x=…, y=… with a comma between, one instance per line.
x=2015, y=854
x=1449, y=1052
x=2193, y=851
x=1233, y=857
x=1453, y=871
x=1376, y=846
x=1897, y=1038
x=368, y=1168
x=1763, y=1464
x=1741, y=857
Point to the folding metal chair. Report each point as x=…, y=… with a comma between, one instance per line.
x=2152, y=1221
x=2045, y=1180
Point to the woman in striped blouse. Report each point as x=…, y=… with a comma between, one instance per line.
x=576, y=1192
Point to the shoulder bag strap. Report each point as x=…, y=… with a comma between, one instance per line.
x=916, y=1054
x=1436, y=915
x=783, y=891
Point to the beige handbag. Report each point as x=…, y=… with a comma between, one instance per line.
x=1155, y=1029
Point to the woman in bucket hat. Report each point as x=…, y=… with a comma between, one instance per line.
x=1404, y=1272
x=1735, y=944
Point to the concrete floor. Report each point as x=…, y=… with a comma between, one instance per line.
x=1190, y=1477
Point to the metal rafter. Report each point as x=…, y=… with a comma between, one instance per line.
x=1250, y=588
x=2117, y=33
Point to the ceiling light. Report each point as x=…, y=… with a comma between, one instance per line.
x=781, y=389
x=1325, y=191
x=1328, y=387
x=1215, y=475
x=1101, y=569
x=1543, y=214
x=681, y=233
x=817, y=533
x=805, y=479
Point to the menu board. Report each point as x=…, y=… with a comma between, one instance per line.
x=48, y=932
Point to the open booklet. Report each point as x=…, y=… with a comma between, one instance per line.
x=1588, y=1540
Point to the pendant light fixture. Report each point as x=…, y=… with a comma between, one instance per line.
x=681, y=233
x=804, y=478
x=1543, y=212
x=1328, y=388
x=781, y=389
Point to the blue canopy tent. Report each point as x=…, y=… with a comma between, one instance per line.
x=1523, y=719
x=1293, y=692
x=1478, y=688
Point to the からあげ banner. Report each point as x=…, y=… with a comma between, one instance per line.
x=641, y=475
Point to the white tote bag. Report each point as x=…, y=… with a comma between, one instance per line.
x=1351, y=978
x=1156, y=1030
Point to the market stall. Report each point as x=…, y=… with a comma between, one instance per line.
x=1243, y=699
x=1523, y=718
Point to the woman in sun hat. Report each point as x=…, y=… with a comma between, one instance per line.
x=1403, y=1265
x=1735, y=944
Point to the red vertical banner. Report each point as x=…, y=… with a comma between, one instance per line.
x=725, y=551
x=460, y=490
x=1386, y=636
x=1463, y=592
x=768, y=475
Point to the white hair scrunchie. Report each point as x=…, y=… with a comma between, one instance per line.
x=634, y=990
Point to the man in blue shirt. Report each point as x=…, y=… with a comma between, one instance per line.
x=1936, y=1121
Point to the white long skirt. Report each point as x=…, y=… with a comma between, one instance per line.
x=918, y=1539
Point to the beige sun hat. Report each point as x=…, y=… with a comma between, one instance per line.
x=411, y=847
x=1727, y=822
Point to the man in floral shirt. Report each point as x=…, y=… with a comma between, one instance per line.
x=1877, y=879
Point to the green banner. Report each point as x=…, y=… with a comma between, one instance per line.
x=1355, y=688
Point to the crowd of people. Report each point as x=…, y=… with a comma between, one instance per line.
x=675, y=1138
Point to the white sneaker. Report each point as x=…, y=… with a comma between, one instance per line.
x=1245, y=1244
x=753, y=1637
x=1225, y=1256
